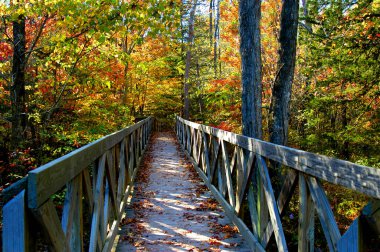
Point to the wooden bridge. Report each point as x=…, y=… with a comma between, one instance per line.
x=95, y=183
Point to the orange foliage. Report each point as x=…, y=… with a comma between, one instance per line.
x=5, y=51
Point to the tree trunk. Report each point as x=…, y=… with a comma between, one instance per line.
x=126, y=84
x=216, y=39
x=281, y=91
x=200, y=90
x=250, y=50
x=282, y=87
x=345, y=151
x=17, y=93
x=211, y=11
x=186, y=109
x=306, y=97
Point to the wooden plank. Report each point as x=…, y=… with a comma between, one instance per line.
x=15, y=225
x=306, y=218
x=215, y=157
x=272, y=205
x=284, y=197
x=192, y=144
x=248, y=174
x=78, y=229
x=115, y=224
x=233, y=160
x=114, y=227
x=183, y=134
x=48, y=218
x=179, y=131
x=111, y=177
x=188, y=139
x=14, y=189
x=116, y=155
x=359, y=178
x=88, y=188
x=252, y=206
x=287, y=189
x=51, y=177
x=326, y=216
x=206, y=154
x=351, y=240
x=126, y=159
x=122, y=174
x=105, y=212
x=95, y=167
x=74, y=235
x=220, y=178
x=183, y=131
x=98, y=204
x=132, y=155
x=140, y=138
x=239, y=176
x=243, y=229
x=69, y=206
x=262, y=205
x=200, y=146
x=227, y=170
x=134, y=147
x=143, y=136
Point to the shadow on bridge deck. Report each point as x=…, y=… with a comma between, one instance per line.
x=171, y=209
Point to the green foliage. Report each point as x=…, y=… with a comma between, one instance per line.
x=92, y=67
x=336, y=98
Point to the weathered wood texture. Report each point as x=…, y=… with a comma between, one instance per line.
x=234, y=167
x=96, y=181
x=15, y=224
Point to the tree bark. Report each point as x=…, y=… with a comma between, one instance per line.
x=200, y=90
x=17, y=93
x=250, y=51
x=186, y=109
x=345, y=151
x=281, y=92
x=216, y=39
x=211, y=11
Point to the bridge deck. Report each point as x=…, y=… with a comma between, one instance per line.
x=171, y=209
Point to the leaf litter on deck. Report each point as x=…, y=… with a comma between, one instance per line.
x=172, y=210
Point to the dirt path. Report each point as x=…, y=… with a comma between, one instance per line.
x=172, y=210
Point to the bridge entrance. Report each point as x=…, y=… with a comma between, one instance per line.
x=171, y=209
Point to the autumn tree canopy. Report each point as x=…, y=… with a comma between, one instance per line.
x=87, y=68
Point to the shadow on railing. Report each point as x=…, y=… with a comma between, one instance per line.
x=235, y=169
x=92, y=183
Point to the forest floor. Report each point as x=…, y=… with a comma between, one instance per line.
x=171, y=209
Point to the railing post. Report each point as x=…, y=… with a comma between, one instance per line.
x=306, y=217
x=15, y=225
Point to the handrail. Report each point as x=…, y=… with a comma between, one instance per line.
x=235, y=169
x=96, y=181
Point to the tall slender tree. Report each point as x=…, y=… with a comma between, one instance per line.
x=250, y=50
x=186, y=87
x=281, y=91
x=216, y=39
x=17, y=93
x=211, y=16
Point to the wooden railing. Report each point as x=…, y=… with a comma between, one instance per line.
x=235, y=168
x=92, y=183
